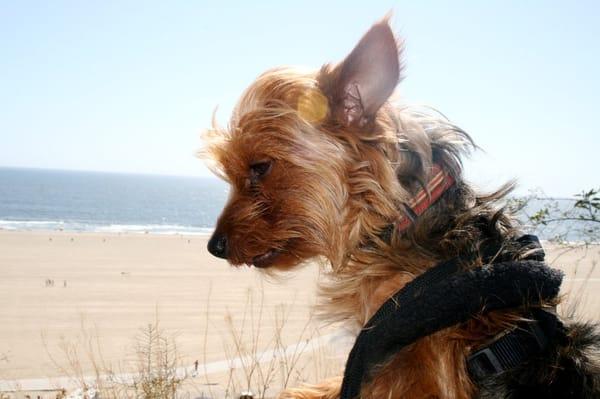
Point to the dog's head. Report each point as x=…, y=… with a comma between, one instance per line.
x=312, y=159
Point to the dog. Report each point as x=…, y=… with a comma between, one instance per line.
x=325, y=165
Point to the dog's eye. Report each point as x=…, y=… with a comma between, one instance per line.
x=260, y=169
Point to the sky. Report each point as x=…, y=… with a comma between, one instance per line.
x=128, y=86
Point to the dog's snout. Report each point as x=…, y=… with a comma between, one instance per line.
x=217, y=245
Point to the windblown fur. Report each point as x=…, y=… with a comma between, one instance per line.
x=319, y=164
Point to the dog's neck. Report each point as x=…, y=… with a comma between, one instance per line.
x=368, y=277
x=367, y=268
x=365, y=274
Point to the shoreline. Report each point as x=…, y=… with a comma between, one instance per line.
x=157, y=229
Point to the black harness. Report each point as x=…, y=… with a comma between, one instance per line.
x=447, y=295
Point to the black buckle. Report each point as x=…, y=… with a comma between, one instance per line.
x=483, y=363
x=512, y=348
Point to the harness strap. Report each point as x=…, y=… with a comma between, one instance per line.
x=516, y=346
x=508, y=351
x=444, y=296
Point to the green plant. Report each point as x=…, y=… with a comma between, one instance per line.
x=573, y=222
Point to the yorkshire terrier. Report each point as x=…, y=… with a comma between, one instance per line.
x=324, y=165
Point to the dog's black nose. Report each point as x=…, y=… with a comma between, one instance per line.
x=217, y=245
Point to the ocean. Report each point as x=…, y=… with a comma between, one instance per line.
x=38, y=199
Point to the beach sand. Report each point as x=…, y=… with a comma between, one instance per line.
x=56, y=287
x=117, y=284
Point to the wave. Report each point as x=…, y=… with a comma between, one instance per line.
x=60, y=225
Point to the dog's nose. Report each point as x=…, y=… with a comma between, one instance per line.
x=217, y=245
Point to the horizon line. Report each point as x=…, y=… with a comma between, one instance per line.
x=114, y=172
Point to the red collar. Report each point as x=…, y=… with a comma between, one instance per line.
x=438, y=183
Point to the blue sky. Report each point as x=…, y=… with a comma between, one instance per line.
x=128, y=86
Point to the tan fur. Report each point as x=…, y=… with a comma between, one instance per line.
x=331, y=191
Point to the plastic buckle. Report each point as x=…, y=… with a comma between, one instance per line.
x=484, y=363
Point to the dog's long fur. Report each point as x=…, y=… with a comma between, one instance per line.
x=337, y=162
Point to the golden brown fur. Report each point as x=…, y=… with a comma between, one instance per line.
x=332, y=186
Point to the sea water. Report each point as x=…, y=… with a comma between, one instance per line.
x=39, y=199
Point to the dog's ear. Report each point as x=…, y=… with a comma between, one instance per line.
x=359, y=85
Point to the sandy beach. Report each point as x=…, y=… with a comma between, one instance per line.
x=56, y=287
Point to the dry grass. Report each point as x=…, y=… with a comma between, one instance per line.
x=262, y=359
x=150, y=372
x=156, y=365
x=265, y=370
